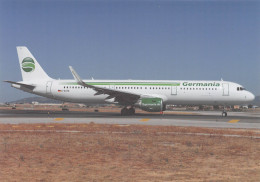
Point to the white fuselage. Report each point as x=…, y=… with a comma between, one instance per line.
x=172, y=92
x=151, y=96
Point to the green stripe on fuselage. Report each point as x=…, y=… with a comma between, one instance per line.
x=123, y=83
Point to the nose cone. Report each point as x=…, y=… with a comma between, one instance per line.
x=250, y=96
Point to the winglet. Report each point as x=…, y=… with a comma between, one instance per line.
x=76, y=76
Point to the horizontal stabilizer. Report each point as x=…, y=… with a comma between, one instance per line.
x=31, y=87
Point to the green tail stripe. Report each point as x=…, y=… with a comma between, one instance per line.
x=27, y=60
x=28, y=65
x=27, y=69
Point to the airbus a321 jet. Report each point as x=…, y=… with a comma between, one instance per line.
x=148, y=95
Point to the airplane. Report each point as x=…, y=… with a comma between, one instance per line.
x=148, y=95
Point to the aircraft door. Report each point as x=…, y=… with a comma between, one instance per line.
x=174, y=90
x=48, y=87
x=225, y=87
x=112, y=87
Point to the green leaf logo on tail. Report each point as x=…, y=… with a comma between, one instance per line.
x=28, y=64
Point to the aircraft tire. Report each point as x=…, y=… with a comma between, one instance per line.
x=131, y=111
x=224, y=114
x=124, y=111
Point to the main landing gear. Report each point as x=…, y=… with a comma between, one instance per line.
x=127, y=112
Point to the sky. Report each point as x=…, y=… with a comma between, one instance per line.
x=148, y=40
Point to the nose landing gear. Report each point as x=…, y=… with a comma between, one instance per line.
x=224, y=112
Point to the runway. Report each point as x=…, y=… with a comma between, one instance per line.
x=209, y=119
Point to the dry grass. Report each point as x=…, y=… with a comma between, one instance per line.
x=126, y=153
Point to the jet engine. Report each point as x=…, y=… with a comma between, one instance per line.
x=151, y=104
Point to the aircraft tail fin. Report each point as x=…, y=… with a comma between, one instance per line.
x=30, y=68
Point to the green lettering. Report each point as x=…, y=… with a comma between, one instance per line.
x=212, y=84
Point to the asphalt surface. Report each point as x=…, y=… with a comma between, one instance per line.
x=249, y=120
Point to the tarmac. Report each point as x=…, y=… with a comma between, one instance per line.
x=208, y=119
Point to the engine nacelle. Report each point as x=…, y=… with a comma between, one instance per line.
x=151, y=104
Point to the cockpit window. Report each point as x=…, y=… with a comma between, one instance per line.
x=240, y=88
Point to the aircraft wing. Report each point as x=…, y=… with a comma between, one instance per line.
x=123, y=98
